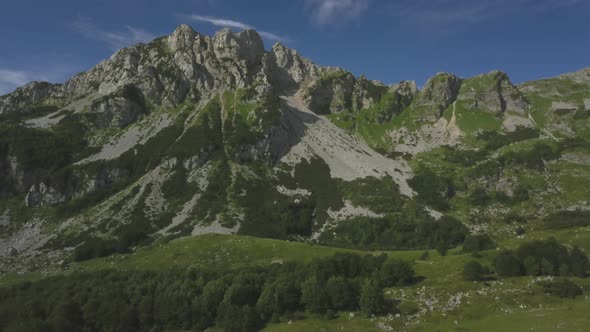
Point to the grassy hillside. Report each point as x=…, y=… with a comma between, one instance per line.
x=441, y=301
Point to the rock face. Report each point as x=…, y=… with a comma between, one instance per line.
x=438, y=94
x=402, y=94
x=493, y=93
x=32, y=93
x=331, y=92
x=336, y=90
x=183, y=65
x=286, y=69
x=41, y=195
x=118, y=109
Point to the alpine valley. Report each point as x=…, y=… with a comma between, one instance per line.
x=205, y=183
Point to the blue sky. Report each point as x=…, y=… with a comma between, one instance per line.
x=388, y=40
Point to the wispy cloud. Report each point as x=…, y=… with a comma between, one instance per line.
x=116, y=39
x=11, y=79
x=330, y=11
x=224, y=22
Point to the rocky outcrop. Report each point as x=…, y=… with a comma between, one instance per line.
x=245, y=47
x=336, y=90
x=41, y=195
x=15, y=179
x=331, y=92
x=399, y=97
x=118, y=109
x=286, y=69
x=33, y=93
x=493, y=93
x=182, y=65
x=438, y=94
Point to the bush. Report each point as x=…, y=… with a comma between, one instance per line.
x=396, y=272
x=567, y=219
x=432, y=189
x=479, y=197
x=542, y=257
x=534, y=158
x=371, y=301
x=495, y=140
x=475, y=243
x=463, y=157
x=513, y=217
x=397, y=234
x=551, y=258
x=51, y=150
x=508, y=265
x=564, y=288
x=474, y=271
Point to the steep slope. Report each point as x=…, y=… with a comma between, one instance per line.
x=184, y=135
x=191, y=134
x=348, y=157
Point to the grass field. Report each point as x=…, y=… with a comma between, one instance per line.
x=445, y=302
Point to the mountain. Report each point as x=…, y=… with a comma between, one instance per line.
x=185, y=134
x=193, y=134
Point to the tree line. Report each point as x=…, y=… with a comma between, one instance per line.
x=244, y=299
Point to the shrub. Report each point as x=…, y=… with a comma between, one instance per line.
x=495, y=140
x=474, y=271
x=564, y=288
x=533, y=158
x=507, y=264
x=542, y=257
x=371, y=301
x=479, y=197
x=432, y=189
x=390, y=233
x=475, y=243
x=567, y=219
x=396, y=272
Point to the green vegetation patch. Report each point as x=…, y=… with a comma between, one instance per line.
x=542, y=257
x=379, y=195
x=244, y=299
x=566, y=219
x=396, y=233
x=49, y=149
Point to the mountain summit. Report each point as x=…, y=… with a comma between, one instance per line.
x=192, y=134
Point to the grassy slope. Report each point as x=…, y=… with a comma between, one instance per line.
x=504, y=305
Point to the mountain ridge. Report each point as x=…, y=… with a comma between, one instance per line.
x=191, y=133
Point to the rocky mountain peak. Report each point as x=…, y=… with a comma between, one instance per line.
x=246, y=45
x=183, y=37
x=493, y=92
x=405, y=88
x=31, y=93
x=439, y=92
x=287, y=69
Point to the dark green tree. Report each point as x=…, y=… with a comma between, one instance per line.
x=473, y=271
x=507, y=264
x=342, y=292
x=396, y=272
x=371, y=300
x=314, y=295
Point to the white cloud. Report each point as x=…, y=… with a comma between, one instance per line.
x=223, y=22
x=11, y=79
x=329, y=11
x=116, y=39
